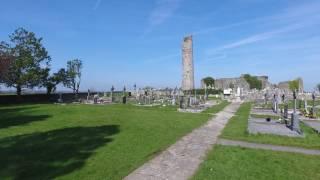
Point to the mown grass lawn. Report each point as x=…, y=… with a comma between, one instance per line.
x=237, y=129
x=225, y=162
x=47, y=141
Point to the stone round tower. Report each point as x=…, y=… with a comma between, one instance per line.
x=187, y=64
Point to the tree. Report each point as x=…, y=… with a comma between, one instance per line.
x=50, y=82
x=73, y=75
x=294, y=85
x=209, y=81
x=253, y=81
x=30, y=59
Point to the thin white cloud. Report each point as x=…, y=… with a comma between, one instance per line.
x=163, y=10
x=297, y=13
x=259, y=37
x=97, y=4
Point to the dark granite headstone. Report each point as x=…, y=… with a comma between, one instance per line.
x=285, y=113
x=295, y=123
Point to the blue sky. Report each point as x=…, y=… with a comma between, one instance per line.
x=126, y=42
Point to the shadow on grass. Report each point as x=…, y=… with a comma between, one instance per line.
x=51, y=154
x=18, y=116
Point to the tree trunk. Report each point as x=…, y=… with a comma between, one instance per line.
x=18, y=90
x=49, y=90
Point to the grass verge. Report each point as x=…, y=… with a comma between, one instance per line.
x=225, y=162
x=47, y=141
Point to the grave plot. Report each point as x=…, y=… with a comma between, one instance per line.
x=262, y=111
x=262, y=126
x=250, y=128
x=288, y=123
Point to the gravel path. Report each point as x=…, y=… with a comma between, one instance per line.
x=268, y=147
x=181, y=160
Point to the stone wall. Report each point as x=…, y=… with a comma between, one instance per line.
x=265, y=81
x=224, y=83
x=40, y=98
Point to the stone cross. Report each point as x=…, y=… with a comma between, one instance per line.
x=111, y=94
x=88, y=95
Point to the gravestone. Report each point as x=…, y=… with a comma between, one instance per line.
x=295, y=101
x=189, y=101
x=275, y=104
x=295, y=122
x=95, y=99
x=306, y=105
x=265, y=98
x=313, y=104
x=88, y=96
x=181, y=105
x=285, y=112
x=173, y=101
x=124, y=97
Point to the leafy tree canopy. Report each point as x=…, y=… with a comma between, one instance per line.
x=294, y=85
x=73, y=75
x=209, y=81
x=253, y=81
x=30, y=60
